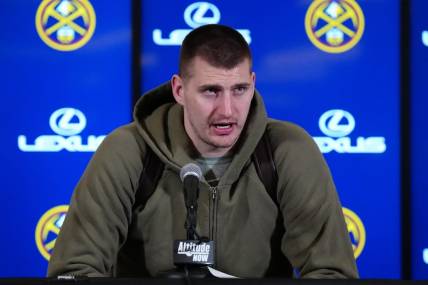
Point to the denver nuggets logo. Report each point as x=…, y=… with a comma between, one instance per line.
x=334, y=26
x=65, y=25
x=356, y=231
x=48, y=229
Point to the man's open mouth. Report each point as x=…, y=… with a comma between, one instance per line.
x=223, y=125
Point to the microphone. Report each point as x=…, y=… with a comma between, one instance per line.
x=194, y=251
x=190, y=175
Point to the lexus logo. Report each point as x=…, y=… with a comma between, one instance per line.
x=67, y=121
x=201, y=13
x=336, y=123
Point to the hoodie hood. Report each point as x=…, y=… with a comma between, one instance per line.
x=159, y=120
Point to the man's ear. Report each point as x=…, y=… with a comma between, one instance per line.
x=177, y=88
x=253, y=78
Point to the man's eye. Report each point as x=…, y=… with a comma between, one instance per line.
x=210, y=92
x=240, y=90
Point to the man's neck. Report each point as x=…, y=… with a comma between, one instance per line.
x=214, y=152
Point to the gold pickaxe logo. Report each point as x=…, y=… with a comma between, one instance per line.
x=65, y=25
x=334, y=26
x=356, y=230
x=48, y=228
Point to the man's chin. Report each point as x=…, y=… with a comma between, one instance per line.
x=223, y=143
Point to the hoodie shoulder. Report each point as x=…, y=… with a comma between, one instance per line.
x=125, y=137
x=295, y=151
x=290, y=135
x=123, y=147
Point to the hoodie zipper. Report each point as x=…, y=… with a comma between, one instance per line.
x=213, y=211
x=213, y=216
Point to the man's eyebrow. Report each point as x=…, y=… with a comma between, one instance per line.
x=210, y=86
x=219, y=87
x=240, y=85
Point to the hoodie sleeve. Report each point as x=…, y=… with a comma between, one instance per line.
x=96, y=224
x=316, y=241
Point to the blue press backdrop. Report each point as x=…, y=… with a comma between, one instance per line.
x=73, y=98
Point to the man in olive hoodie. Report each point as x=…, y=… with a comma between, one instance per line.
x=210, y=113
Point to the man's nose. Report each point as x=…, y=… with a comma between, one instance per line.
x=225, y=105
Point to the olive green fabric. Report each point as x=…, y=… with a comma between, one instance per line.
x=104, y=235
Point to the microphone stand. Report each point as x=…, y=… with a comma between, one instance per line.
x=188, y=271
x=193, y=271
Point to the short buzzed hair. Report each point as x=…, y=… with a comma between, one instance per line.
x=219, y=45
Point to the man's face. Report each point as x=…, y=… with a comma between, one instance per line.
x=216, y=102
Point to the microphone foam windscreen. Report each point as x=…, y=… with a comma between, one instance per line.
x=190, y=169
